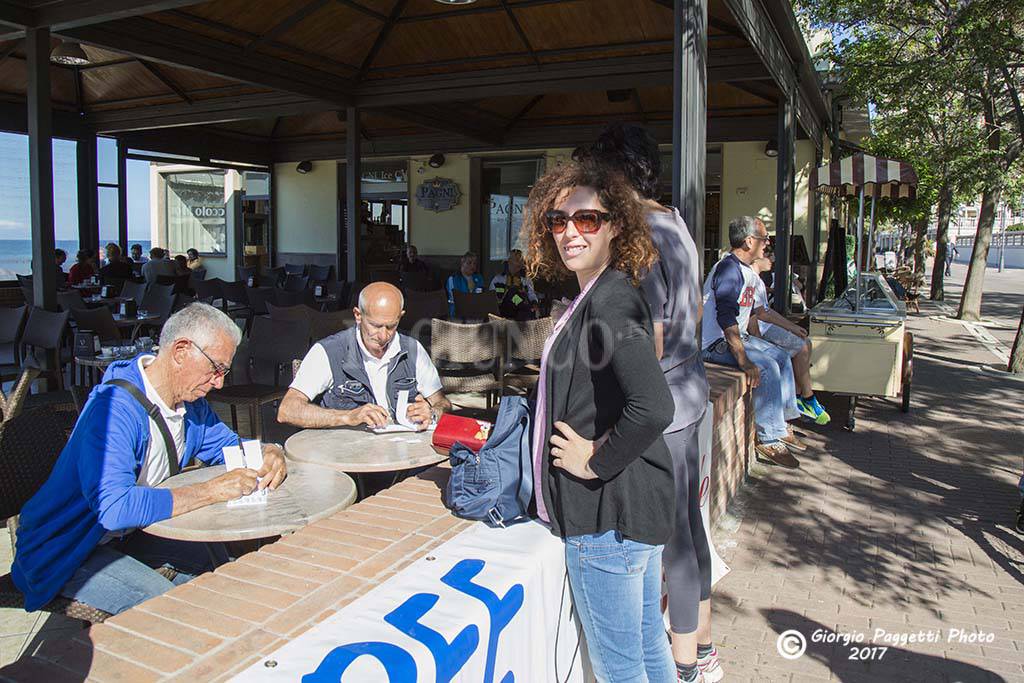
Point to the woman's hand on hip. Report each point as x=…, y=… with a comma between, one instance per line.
x=572, y=453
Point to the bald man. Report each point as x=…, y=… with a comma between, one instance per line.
x=354, y=377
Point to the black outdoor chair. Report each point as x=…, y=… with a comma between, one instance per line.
x=12, y=322
x=273, y=277
x=29, y=447
x=294, y=269
x=99, y=321
x=272, y=343
x=318, y=274
x=246, y=272
x=475, y=306
x=295, y=283
x=70, y=300
x=285, y=298
x=134, y=290
x=259, y=297
x=42, y=336
x=207, y=291
x=236, y=301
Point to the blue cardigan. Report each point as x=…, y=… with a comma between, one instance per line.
x=92, y=488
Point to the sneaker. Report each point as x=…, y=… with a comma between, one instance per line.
x=810, y=408
x=777, y=453
x=1019, y=526
x=793, y=443
x=710, y=668
x=699, y=679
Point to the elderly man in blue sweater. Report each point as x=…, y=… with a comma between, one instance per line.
x=78, y=536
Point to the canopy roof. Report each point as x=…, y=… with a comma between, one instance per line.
x=880, y=177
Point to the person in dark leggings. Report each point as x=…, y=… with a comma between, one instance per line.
x=673, y=291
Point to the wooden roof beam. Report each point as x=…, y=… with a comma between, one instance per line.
x=382, y=37
x=441, y=120
x=519, y=30
x=523, y=112
x=155, y=42
x=66, y=14
x=166, y=80
x=485, y=9
x=288, y=23
x=364, y=9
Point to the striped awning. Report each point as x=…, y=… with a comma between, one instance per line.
x=880, y=177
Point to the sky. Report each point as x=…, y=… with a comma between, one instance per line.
x=14, y=190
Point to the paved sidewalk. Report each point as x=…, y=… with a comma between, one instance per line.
x=903, y=525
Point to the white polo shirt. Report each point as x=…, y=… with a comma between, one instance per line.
x=315, y=377
x=156, y=467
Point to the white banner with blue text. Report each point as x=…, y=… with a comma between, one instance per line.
x=488, y=606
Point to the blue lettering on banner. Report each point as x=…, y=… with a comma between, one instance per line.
x=399, y=664
x=449, y=658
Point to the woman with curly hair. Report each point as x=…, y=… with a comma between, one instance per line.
x=602, y=473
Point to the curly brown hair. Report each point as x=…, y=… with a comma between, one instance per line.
x=633, y=252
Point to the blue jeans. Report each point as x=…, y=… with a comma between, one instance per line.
x=775, y=396
x=616, y=590
x=122, y=573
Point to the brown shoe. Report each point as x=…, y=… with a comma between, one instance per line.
x=777, y=453
x=794, y=443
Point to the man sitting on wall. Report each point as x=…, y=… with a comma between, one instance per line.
x=729, y=301
x=776, y=329
x=354, y=377
x=78, y=536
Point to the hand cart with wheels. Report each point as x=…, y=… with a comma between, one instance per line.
x=860, y=345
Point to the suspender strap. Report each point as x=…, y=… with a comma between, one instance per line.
x=154, y=414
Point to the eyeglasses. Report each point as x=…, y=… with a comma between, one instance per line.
x=762, y=238
x=587, y=221
x=219, y=369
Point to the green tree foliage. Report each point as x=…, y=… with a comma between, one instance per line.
x=944, y=82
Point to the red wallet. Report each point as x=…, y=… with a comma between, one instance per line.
x=467, y=431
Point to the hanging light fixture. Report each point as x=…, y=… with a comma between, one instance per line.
x=69, y=54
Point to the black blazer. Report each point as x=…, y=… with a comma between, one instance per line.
x=602, y=375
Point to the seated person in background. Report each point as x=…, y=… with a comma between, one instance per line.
x=181, y=265
x=516, y=298
x=775, y=328
x=158, y=265
x=729, y=292
x=60, y=257
x=467, y=280
x=78, y=536
x=411, y=262
x=83, y=269
x=414, y=271
x=137, y=256
x=116, y=268
x=353, y=377
x=194, y=261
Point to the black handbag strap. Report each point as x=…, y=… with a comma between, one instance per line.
x=154, y=414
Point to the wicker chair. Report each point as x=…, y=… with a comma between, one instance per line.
x=273, y=343
x=29, y=448
x=11, y=404
x=522, y=344
x=467, y=357
x=12, y=322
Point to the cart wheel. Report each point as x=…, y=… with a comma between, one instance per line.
x=851, y=421
x=908, y=369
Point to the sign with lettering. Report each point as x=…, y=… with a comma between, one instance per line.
x=490, y=606
x=438, y=194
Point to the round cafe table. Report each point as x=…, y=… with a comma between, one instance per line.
x=357, y=450
x=307, y=495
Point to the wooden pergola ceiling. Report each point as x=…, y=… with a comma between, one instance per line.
x=279, y=69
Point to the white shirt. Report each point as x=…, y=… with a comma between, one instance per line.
x=315, y=377
x=761, y=301
x=156, y=468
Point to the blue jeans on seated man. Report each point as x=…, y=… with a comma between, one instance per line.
x=616, y=590
x=775, y=396
x=122, y=573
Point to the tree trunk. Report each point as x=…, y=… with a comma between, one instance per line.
x=941, y=240
x=970, y=302
x=1016, y=365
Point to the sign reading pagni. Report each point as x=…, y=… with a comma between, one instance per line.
x=438, y=194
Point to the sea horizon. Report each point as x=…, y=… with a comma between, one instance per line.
x=16, y=255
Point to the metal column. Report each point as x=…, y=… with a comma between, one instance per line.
x=40, y=167
x=689, y=115
x=812, y=283
x=88, y=219
x=353, y=200
x=122, y=195
x=784, y=198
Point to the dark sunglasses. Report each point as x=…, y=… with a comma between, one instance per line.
x=587, y=221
